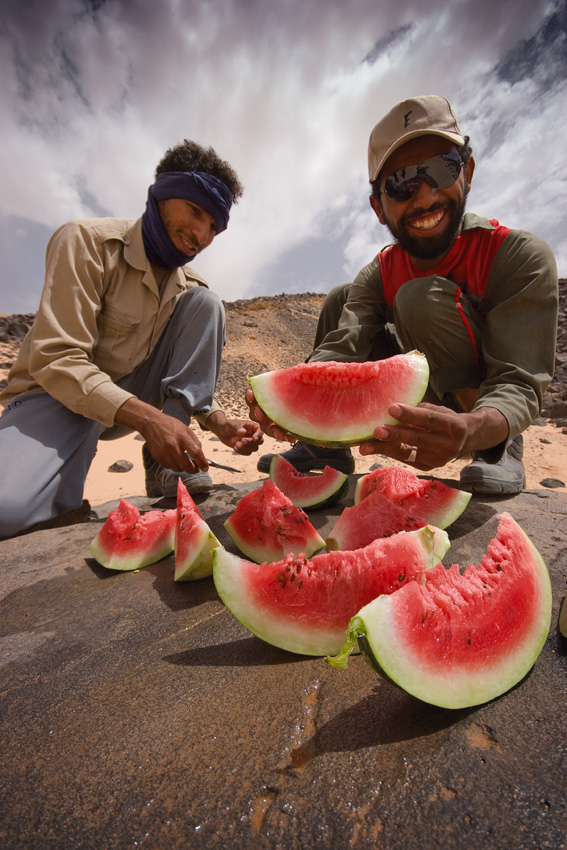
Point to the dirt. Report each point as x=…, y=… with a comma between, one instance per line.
x=274, y=332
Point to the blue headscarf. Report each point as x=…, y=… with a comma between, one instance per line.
x=205, y=190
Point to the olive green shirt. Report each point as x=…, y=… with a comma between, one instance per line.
x=519, y=308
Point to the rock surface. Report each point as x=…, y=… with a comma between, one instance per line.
x=139, y=713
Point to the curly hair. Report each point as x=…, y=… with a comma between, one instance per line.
x=189, y=156
x=465, y=152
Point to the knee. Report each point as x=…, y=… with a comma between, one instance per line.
x=419, y=302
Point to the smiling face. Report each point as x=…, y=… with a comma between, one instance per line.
x=427, y=224
x=189, y=227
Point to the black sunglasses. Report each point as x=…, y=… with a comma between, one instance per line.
x=439, y=172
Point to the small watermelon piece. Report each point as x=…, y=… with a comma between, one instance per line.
x=266, y=526
x=340, y=404
x=307, y=490
x=431, y=499
x=376, y=516
x=304, y=605
x=563, y=618
x=129, y=540
x=194, y=540
x=461, y=639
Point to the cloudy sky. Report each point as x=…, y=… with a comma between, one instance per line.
x=94, y=91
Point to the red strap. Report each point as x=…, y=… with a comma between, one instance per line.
x=466, y=322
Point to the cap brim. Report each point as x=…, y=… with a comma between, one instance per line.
x=452, y=137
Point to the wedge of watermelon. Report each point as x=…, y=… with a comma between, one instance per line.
x=340, y=404
x=431, y=499
x=304, y=605
x=129, y=540
x=461, y=639
x=266, y=526
x=376, y=516
x=194, y=540
x=308, y=490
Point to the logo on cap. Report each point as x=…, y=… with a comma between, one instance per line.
x=406, y=118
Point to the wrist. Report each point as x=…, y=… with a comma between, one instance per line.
x=486, y=427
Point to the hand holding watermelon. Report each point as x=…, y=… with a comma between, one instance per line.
x=437, y=433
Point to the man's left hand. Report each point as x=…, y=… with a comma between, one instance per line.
x=242, y=435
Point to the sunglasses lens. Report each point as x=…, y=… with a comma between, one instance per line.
x=440, y=172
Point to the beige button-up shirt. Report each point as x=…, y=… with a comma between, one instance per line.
x=100, y=315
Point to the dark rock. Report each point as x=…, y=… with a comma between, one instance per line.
x=138, y=711
x=552, y=483
x=121, y=466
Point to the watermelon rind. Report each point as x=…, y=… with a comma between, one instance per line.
x=266, y=526
x=304, y=605
x=129, y=540
x=194, y=541
x=563, y=618
x=307, y=490
x=436, y=502
x=473, y=638
x=328, y=403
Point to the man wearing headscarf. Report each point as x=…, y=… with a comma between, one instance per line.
x=126, y=338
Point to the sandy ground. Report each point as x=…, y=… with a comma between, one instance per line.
x=545, y=456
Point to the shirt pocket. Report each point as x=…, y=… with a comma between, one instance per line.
x=118, y=349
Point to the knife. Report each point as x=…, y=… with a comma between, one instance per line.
x=221, y=465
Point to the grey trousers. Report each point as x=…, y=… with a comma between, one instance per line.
x=432, y=316
x=46, y=449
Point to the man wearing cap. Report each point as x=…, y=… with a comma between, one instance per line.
x=126, y=338
x=478, y=299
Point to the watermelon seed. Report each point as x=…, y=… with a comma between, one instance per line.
x=292, y=577
x=469, y=640
x=298, y=568
x=423, y=616
x=288, y=568
x=281, y=577
x=299, y=585
x=499, y=567
x=402, y=577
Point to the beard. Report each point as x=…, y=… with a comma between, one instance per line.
x=430, y=247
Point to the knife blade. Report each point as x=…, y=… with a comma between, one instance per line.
x=218, y=465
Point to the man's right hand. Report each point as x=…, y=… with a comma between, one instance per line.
x=171, y=443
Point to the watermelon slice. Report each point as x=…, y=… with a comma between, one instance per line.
x=129, y=540
x=376, y=516
x=461, y=639
x=340, y=404
x=304, y=605
x=266, y=526
x=194, y=540
x=436, y=502
x=307, y=490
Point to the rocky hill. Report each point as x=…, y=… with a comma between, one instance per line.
x=273, y=332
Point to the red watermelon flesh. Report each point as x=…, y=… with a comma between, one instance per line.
x=461, y=639
x=266, y=526
x=304, y=605
x=431, y=499
x=129, y=540
x=333, y=404
x=307, y=490
x=194, y=540
x=376, y=516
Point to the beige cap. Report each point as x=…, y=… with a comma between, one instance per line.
x=427, y=115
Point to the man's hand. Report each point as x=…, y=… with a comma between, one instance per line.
x=437, y=434
x=171, y=443
x=242, y=435
x=266, y=424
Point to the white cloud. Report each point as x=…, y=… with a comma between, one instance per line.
x=93, y=93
